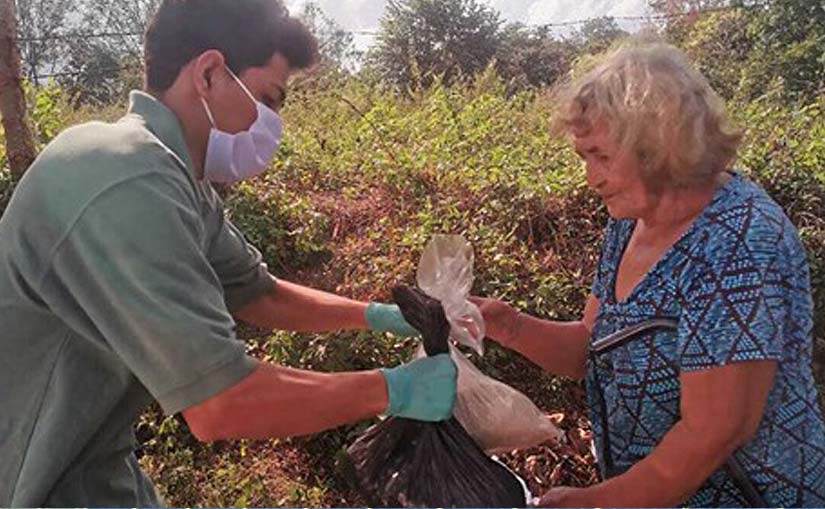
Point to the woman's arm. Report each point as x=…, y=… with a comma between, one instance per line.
x=558, y=347
x=721, y=410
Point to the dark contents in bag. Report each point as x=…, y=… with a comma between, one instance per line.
x=408, y=463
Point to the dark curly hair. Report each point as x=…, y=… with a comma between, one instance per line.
x=247, y=32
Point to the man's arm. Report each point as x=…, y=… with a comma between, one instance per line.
x=721, y=411
x=277, y=402
x=292, y=307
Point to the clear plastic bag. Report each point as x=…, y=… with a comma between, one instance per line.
x=445, y=272
x=498, y=417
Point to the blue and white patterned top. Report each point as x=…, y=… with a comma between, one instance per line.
x=737, y=282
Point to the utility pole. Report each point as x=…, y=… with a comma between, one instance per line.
x=19, y=141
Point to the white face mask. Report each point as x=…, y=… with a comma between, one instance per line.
x=234, y=157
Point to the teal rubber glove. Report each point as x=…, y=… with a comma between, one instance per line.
x=423, y=390
x=388, y=318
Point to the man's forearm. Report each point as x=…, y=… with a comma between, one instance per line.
x=297, y=308
x=277, y=402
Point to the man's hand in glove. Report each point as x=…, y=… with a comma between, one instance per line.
x=388, y=318
x=423, y=390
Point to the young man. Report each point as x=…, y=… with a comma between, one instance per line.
x=120, y=276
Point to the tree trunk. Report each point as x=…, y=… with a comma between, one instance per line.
x=19, y=143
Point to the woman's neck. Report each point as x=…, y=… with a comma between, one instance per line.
x=677, y=207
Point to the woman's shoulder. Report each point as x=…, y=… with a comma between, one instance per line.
x=744, y=221
x=617, y=231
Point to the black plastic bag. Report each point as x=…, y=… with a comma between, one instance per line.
x=408, y=463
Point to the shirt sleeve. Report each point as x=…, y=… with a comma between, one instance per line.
x=239, y=267
x=734, y=298
x=131, y=274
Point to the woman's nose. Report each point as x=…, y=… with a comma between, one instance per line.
x=595, y=178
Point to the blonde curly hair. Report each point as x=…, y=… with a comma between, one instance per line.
x=657, y=105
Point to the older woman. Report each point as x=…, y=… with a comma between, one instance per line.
x=710, y=400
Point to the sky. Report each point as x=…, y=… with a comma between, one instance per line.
x=365, y=14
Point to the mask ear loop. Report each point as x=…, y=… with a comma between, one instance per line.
x=208, y=112
x=241, y=83
x=243, y=87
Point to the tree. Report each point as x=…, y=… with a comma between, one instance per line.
x=40, y=30
x=679, y=16
x=420, y=39
x=19, y=141
x=104, y=58
x=789, y=45
x=125, y=21
x=598, y=34
x=685, y=6
x=335, y=44
x=720, y=45
x=532, y=56
x=97, y=73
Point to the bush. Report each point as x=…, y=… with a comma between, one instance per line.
x=785, y=152
x=6, y=187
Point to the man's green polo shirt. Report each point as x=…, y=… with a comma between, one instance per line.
x=118, y=272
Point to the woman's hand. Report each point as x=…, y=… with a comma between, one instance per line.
x=563, y=496
x=558, y=347
x=500, y=319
